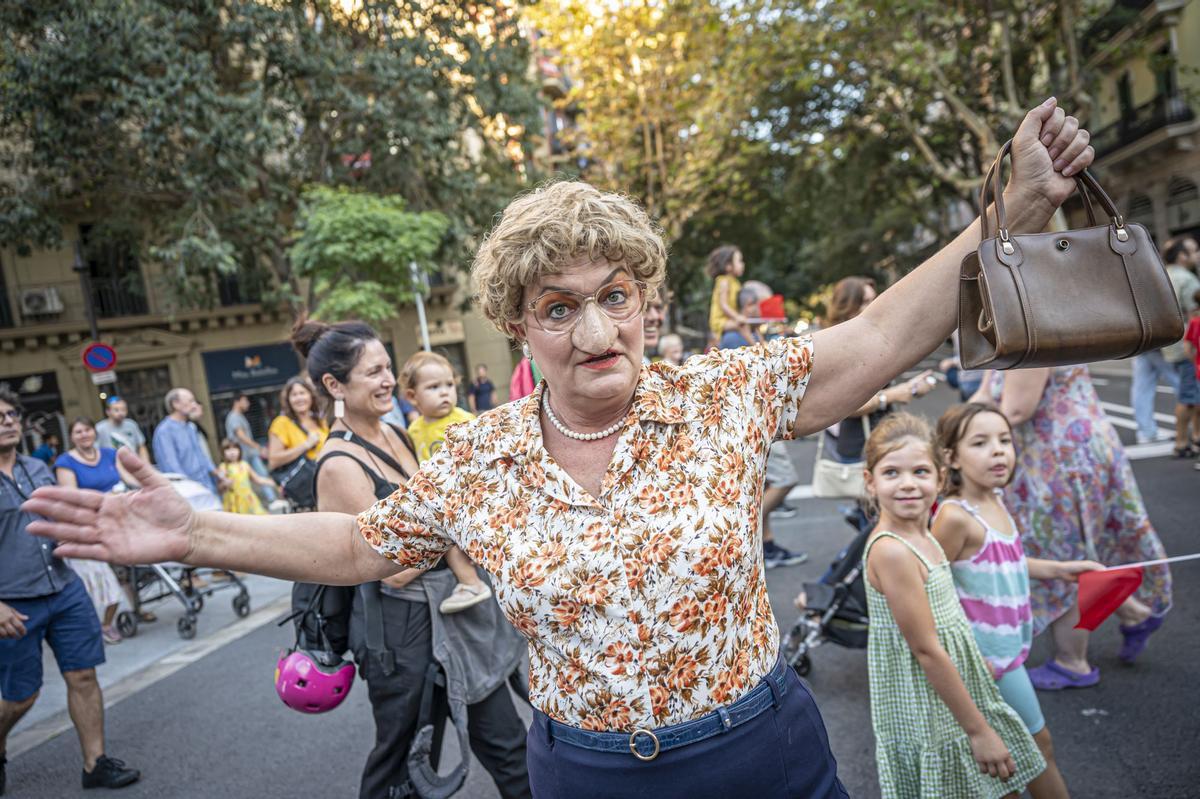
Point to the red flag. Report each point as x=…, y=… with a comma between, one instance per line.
x=772, y=307
x=1102, y=592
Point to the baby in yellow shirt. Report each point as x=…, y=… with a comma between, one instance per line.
x=429, y=384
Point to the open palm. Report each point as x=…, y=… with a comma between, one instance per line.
x=150, y=525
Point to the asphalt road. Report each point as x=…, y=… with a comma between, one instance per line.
x=215, y=727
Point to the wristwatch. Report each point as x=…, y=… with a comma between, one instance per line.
x=881, y=398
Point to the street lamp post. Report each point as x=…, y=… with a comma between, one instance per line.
x=89, y=307
x=85, y=281
x=419, y=287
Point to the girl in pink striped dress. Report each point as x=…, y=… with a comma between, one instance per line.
x=991, y=572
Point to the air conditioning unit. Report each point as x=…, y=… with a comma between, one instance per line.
x=41, y=301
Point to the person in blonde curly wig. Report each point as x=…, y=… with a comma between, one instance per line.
x=617, y=507
x=543, y=232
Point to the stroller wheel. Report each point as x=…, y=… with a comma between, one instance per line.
x=127, y=624
x=186, y=627
x=803, y=665
x=241, y=605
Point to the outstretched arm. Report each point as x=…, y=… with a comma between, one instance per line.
x=1069, y=570
x=912, y=318
x=156, y=524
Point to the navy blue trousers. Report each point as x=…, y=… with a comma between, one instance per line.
x=783, y=753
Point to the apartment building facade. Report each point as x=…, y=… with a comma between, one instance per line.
x=1146, y=120
x=238, y=345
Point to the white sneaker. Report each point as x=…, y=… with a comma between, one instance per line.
x=465, y=596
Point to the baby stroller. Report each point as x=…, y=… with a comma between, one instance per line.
x=187, y=584
x=836, y=608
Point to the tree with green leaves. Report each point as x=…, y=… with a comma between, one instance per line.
x=824, y=138
x=355, y=249
x=200, y=125
x=663, y=91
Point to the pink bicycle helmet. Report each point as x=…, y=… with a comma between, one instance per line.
x=312, y=682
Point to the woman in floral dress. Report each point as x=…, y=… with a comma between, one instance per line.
x=1074, y=497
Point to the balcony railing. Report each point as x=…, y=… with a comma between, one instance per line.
x=63, y=301
x=1163, y=110
x=119, y=296
x=1119, y=16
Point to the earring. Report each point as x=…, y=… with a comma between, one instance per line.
x=528, y=353
x=339, y=408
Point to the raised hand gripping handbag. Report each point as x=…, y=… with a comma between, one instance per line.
x=1051, y=299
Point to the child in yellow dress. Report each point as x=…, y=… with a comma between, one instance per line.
x=240, y=496
x=725, y=266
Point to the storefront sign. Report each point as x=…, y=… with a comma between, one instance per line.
x=443, y=331
x=250, y=367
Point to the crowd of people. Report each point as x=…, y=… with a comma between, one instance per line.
x=609, y=527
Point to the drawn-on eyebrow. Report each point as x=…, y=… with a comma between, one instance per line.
x=607, y=280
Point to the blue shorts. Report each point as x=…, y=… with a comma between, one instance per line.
x=1018, y=692
x=1189, y=389
x=68, y=621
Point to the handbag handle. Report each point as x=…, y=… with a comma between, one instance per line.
x=1087, y=186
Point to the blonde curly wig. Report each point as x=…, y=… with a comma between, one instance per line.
x=546, y=230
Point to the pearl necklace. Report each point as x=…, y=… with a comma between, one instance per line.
x=569, y=433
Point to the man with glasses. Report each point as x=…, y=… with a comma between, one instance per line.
x=42, y=599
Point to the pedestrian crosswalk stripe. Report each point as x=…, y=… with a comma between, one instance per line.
x=1104, y=381
x=1110, y=407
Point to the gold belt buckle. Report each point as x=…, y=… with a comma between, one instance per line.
x=633, y=740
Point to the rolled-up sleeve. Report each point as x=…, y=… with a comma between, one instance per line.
x=784, y=366
x=410, y=525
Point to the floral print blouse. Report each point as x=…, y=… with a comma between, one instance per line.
x=645, y=606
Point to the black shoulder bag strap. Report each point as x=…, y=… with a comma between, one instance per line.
x=425, y=778
x=377, y=647
x=369, y=592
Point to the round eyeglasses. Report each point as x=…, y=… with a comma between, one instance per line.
x=558, y=311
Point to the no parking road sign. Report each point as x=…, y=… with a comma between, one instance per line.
x=98, y=357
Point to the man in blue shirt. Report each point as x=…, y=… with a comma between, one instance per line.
x=41, y=599
x=482, y=390
x=178, y=446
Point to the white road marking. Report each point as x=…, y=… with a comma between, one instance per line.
x=1125, y=409
x=1104, y=381
x=131, y=684
x=1135, y=452
x=1155, y=449
x=801, y=492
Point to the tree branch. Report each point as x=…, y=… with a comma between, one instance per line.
x=973, y=121
x=944, y=172
x=1006, y=62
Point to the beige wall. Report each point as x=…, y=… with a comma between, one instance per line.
x=1187, y=45
x=54, y=344
x=1143, y=84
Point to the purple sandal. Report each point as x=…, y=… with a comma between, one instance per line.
x=1135, y=638
x=1052, y=677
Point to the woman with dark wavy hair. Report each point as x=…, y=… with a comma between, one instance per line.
x=363, y=461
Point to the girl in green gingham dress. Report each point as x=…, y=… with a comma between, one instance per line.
x=929, y=682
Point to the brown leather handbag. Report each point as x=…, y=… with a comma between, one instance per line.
x=1050, y=299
